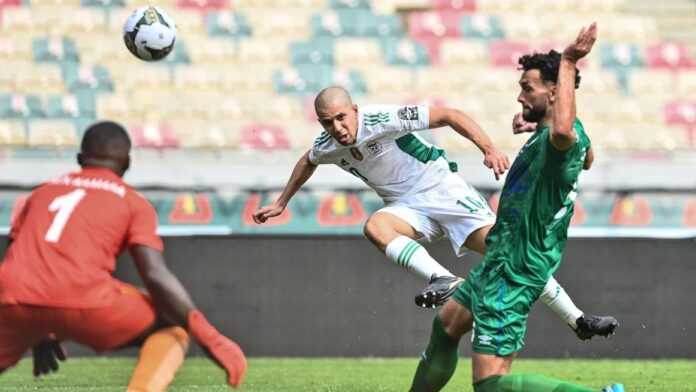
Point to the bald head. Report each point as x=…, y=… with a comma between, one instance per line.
x=330, y=97
x=106, y=144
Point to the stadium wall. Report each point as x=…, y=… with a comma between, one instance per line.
x=337, y=296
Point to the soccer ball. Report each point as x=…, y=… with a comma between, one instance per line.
x=149, y=33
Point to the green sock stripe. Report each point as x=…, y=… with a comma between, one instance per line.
x=407, y=259
x=401, y=260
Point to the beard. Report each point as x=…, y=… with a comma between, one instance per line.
x=533, y=115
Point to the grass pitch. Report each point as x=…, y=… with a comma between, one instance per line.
x=347, y=375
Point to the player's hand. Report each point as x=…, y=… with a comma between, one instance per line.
x=262, y=214
x=46, y=355
x=582, y=45
x=496, y=160
x=226, y=353
x=521, y=126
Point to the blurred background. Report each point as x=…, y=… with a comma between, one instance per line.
x=218, y=125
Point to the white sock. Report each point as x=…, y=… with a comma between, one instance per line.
x=556, y=298
x=411, y=255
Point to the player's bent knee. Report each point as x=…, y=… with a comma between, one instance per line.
x=457, y=320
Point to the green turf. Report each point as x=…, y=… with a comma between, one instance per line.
x=346, y=375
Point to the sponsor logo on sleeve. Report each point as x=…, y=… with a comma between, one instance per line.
x=408, y=113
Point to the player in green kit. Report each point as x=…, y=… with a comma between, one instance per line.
x=526, y=244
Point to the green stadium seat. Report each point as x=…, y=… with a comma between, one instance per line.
x=103, y=3
x=227, y=24
x=58, y=49
x=350, y=4
x=71, y=106
x=317, y=51
x=83, y=77
x=404, y=52
x=353, y=81
x=481, y=26
x=304, y=79
x=20, y=106
x=620, y=55
x=178, y=56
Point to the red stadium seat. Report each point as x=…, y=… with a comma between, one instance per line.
x=262, y=136
x=204, y=5
x=506, y=53
x=454, y=5
x=680, y=113
x=434, y=24
x=432, y=46
x=154, y=135
x=669, y=55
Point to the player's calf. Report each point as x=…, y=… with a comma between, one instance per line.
x=588, y=326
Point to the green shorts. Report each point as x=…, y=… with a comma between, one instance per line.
x=500, y=308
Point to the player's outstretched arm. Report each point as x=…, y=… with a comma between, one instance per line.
x=300, y=174
x=175, y=305
x=467, y=127
x=562, y=134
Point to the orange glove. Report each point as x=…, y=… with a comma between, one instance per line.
x=226, y=353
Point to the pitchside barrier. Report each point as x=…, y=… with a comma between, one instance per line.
x=312, y=296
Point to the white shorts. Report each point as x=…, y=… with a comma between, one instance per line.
x=453, y=209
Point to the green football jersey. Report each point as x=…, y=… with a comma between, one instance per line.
x=535, y=208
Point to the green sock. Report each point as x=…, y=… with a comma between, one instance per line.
x=527, y=383
x=438, y=362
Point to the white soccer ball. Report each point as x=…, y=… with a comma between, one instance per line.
x=149, y=33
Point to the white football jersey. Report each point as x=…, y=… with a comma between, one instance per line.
x=386, y=155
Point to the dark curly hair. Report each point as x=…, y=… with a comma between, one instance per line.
x=547, y=64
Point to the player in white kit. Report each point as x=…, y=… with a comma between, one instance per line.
x=424, y=197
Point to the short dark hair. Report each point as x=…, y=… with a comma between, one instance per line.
x=105, y=138
x=547, y=64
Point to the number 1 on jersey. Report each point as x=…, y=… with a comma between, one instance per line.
x=64, y=205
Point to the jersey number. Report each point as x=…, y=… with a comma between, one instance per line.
x=64, y=205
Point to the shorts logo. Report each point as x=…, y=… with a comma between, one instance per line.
x=408, y=113
x=374, y=148
x=356, y=153
x=485, y=340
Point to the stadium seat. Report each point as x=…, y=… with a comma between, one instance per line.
x=16, y=48
x=204, y=49
x=117, y=107
x=65, y=19
x=207, y=134
x=71, y=106
x=104, y=3
x=480, y=26
x=227, y=24
x=87, y=77
x=203, y=5
x=316, y=51
x=434, y=24
x=154, y=135
x=329, y=24
x=21, y=106
x=12, y=133
x=620, y=55
x=463, y=52
x=264, y=51
x=52, y=133
x=54, y=49
x=525, y=27
x=686, y=84
x=138, y=75
x=30, y=78
x=265, y=137
x=680, y=113
x=393, y=80
x=302, y=80
x=507, y=53
x=651, y=82
x=291, y=24
x=350, y=4
x=405, y=52
x=454, y=5
x=669, y=55
x=357, y=53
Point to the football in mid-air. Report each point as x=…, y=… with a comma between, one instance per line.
x=149, y=33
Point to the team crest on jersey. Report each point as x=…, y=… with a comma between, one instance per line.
x=408, y=113
x=356, y=153
x=374, y=148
